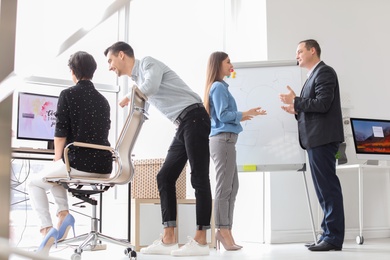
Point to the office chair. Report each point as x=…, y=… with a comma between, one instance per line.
x=84, y=187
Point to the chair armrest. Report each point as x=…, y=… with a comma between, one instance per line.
x=85, y=145
x=93, y=146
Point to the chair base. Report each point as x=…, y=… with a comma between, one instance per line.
x=92, y=241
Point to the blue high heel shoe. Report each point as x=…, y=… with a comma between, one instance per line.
x=65, y=226
x=48, y=241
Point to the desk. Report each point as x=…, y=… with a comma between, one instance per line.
x=32, y=154
x=26, y=153
x=360, y=168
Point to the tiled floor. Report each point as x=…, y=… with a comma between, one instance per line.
x=376, y=249
x=25, y=236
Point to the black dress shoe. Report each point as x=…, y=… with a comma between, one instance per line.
x=312, y=244
x=324, y=246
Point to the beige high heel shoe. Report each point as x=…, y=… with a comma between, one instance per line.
x=234, y=242
x=220, y=239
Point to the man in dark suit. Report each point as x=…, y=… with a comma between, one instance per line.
x=320, y=128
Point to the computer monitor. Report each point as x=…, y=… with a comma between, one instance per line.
x=371, y=139
x=36, y=117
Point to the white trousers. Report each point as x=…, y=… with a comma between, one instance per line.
x=37, y=188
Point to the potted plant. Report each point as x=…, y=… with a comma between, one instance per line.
x=337, y=155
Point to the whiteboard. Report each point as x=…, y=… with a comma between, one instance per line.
x=269, y=141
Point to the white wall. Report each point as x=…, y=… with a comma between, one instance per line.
x=354, y=40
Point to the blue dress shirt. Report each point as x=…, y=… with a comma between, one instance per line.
x=163, y=87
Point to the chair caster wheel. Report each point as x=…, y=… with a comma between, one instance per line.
x=78, y=251
x=76, y=256
x=130, y=253
x=360, y=240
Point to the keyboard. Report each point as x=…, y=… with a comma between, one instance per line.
x=32, y=153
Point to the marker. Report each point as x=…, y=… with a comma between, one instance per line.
x=249, y=168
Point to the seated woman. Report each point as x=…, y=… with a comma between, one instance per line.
x=83, y=115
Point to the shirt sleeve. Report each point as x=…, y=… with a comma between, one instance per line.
x=62, y=117
x=153, y=74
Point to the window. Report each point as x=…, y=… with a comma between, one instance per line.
x=183, y=33
x=45, y=26
x=245, y=30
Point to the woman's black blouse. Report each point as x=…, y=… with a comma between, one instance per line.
x=83, y=115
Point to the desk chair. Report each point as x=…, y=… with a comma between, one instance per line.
x=84, y=187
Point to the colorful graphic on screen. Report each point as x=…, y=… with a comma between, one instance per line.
x=371, y=136
x=36, y=116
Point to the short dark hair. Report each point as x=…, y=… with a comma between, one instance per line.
x=310, y=43
x=120, y=46
x=82, y=64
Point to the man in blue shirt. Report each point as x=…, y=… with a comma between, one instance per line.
x=172, y=97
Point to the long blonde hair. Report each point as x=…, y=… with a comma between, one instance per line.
x=213, y=74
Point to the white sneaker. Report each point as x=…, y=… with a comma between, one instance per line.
x=192, y=248
x=159, y=248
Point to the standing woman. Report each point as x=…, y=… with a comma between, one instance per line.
x=225, y=127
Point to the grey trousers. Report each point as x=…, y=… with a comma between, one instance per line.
x=223, y=153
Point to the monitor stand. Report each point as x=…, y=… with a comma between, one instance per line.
x=372, y=162
x=50, y=145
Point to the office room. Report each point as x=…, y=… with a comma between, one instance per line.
x=272, y=217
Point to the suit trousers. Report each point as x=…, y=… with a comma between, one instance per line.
x=328, y=189
x=223, y=153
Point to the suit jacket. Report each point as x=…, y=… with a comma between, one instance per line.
x=318, y=109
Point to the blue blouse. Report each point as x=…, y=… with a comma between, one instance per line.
x=223, y=110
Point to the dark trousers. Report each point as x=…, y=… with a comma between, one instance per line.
x=191, y=142
x=327, y=186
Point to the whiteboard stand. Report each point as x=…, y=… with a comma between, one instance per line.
x=360, y=167
x=303, y=170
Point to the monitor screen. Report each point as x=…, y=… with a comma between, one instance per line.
x=371, y=138
x=36, y=116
